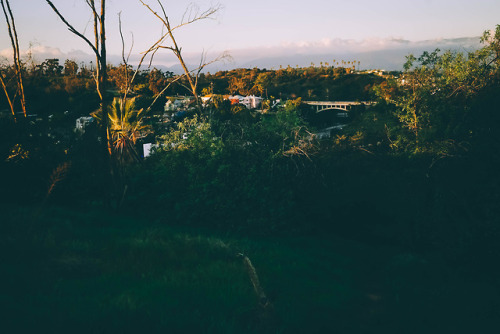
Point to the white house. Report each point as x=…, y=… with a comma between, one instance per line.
x=180, y=103
x=251, y=101
x=82, y=123
x=148, y=149
x=205, y=99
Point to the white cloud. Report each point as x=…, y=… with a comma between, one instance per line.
x=386, y=53
x=40, y=52
x=338, y=45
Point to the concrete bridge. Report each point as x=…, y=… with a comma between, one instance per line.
x=336, y=105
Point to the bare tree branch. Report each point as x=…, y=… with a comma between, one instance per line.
x=91, y=4
x=131, y=47
x=72, y=29
x=163, y=91
x=127, y=86
x=196, y=15
x=11, y=27
x=191, y=15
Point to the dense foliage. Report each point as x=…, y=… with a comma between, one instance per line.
x=229, y=167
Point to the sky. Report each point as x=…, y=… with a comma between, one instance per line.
x=263, y=32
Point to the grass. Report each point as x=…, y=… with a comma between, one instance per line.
x=94, y=272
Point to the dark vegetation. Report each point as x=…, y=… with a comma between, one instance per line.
x=389, y=226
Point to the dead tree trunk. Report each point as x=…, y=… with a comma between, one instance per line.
x=11, y=27
x=101, y=78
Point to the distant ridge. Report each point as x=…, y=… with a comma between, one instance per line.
x=387, y=54
x=391, y=58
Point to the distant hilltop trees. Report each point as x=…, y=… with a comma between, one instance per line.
x=56, y=86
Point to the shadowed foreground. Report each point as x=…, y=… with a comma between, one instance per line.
x=69, y=271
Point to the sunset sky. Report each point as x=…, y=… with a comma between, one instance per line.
x=259, y=28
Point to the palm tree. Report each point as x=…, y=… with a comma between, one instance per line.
x=126, y=126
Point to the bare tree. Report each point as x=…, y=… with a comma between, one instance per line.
x=11, y=28
x=191, y=15
x=168, y=41
x=130, y=80
x=98, y=47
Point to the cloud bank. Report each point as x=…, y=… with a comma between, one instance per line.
x=374, y=53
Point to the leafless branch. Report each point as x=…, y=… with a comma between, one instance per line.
x=125, y=63
x=364, y=149
x=97, y=20
x=194, y=14
x=163, y=91
x=11, y=26
x=121, y=36
x=131, y=46
x=224, y=56
x=72, y=29
x=91, y=4
x=191, y=15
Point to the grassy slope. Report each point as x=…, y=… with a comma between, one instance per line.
x=69, y=271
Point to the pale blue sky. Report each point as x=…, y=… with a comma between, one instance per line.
x=260, y=25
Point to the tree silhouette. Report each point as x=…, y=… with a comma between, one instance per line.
x=11, y=28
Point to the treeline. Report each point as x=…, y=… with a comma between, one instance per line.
x=52, y=87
